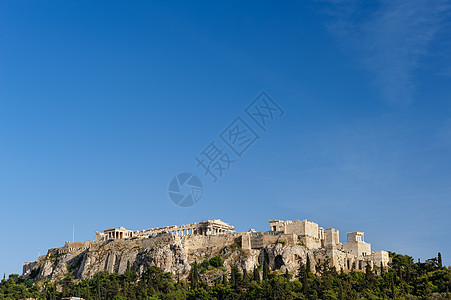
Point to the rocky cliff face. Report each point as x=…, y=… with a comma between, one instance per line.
x=172, y=254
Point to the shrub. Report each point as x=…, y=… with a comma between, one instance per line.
x=216, y=262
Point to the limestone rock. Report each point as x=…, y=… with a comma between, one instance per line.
x=170, y=253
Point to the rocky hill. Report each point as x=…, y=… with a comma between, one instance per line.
x=173, y=254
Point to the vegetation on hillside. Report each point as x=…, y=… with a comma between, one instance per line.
x=404, y=280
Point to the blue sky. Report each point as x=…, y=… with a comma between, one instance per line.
x=103, y=102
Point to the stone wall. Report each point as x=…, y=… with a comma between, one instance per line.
x=359, y=248
x=174, y=248
x=175, y=254
x=332, y=240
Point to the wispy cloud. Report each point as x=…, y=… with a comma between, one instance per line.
x=389, y=38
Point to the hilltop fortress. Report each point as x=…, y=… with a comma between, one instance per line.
x=173, y=248
x=354, y=254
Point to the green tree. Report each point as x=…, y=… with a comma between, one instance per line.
x=245, y=275
x=256, y=274
x=194, y=275
x=307, y=265
x=235, y=276
x=265, y=270
x=287, y=275
x=216, y=261
x=67, y=285
x=303, y=277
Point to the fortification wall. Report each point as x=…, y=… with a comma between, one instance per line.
x=195, y=242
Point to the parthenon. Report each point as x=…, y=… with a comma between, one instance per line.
x=209, y=227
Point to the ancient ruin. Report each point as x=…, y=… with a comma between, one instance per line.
x=209, y=227
x=354, y=254
x=284, y=247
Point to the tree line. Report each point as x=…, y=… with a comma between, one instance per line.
x=405, y=279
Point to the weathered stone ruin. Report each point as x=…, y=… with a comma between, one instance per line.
x=355, y=254
x=175, y=248
x=209, y=227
